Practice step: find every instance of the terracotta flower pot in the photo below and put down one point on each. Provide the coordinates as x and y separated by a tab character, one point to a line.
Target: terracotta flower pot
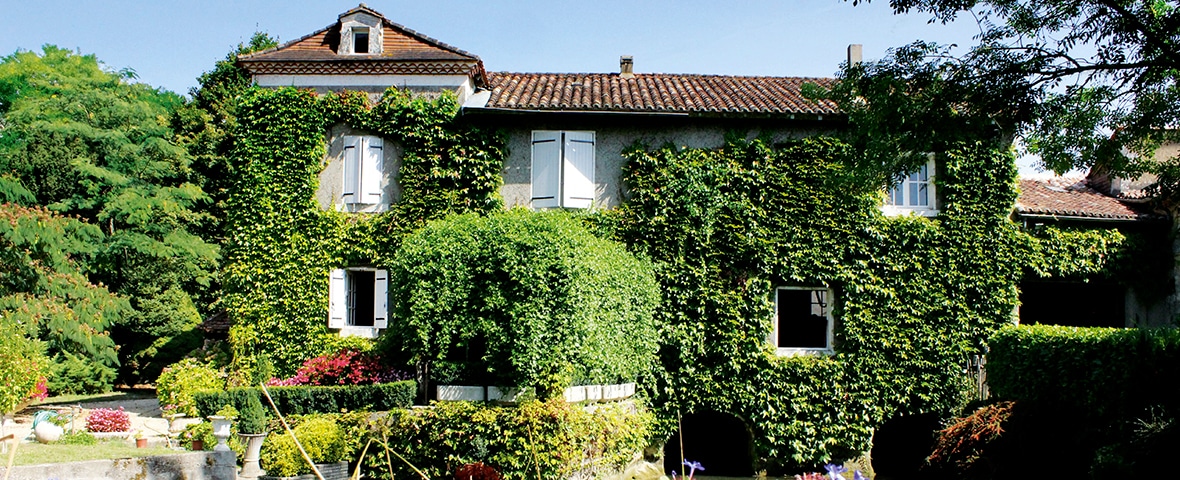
198	445
141	443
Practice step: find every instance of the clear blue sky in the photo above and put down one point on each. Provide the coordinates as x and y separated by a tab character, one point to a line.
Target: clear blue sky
169	43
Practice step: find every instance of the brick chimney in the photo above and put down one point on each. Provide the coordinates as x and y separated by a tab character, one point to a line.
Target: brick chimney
626	66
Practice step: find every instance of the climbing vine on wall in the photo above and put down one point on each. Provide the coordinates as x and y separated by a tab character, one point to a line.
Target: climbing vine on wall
282	244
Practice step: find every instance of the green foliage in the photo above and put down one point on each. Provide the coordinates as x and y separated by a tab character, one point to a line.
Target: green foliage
554	438
44	291
1061	75
180	383
253	416
22	365
321	438
308	399
527	299
1106	373
728	226
282	244
86	142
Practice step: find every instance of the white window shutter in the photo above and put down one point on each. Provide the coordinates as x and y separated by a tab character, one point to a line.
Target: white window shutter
337	300
546	168
372	161
578	170
352	170
381	299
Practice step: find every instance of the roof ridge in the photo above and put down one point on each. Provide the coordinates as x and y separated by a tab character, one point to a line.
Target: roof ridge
655	74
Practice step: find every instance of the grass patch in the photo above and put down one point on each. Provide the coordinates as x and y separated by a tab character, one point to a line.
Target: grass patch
115	396
36	453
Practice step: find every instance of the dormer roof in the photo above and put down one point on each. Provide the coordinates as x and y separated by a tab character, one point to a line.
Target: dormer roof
403	51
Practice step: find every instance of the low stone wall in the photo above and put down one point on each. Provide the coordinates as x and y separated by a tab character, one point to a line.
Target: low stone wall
188	466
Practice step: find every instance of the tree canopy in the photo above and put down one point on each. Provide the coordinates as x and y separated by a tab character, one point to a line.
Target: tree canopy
1081	82
82	140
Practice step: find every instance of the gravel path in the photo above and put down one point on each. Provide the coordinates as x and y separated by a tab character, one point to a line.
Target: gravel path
143	412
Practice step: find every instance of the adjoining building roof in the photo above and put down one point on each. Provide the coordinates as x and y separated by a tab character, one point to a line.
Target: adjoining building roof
655	93
404	51
1073	197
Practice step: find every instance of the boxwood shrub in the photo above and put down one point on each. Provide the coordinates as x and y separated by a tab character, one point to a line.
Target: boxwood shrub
314	399
1099	372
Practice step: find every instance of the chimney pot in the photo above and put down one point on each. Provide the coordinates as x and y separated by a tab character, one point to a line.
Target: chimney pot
626	66
854	54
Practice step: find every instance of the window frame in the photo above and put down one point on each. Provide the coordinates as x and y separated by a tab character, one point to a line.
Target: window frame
830	330
362	174
341	311
930	209
356	32
570	161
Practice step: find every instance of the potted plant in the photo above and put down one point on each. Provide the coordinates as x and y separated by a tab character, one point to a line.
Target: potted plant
140	440
222	421
252	430
48	426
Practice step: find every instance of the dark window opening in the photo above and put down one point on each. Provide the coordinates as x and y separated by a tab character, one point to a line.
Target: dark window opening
360	41
360	298
719	441
1073	304
802	318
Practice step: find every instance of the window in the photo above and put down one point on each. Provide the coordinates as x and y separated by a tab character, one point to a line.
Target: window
358	297
360	40
914	194
802	321
363	167
563	169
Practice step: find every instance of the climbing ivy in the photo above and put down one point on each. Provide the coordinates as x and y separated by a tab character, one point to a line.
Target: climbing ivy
915	297
282	244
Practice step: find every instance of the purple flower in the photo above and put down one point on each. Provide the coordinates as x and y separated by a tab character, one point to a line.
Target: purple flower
859	476
693	467
834	471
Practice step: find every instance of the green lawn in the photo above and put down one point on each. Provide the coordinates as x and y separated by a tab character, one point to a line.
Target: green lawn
36	453
118	395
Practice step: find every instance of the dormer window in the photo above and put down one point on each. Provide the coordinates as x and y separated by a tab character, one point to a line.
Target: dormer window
360	40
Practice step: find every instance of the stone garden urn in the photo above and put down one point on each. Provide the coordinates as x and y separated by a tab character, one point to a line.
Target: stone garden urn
250	466
221	430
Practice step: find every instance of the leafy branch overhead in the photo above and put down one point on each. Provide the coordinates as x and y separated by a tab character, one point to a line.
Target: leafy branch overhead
1065	76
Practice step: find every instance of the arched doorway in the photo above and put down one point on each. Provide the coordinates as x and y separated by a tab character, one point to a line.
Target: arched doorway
719	441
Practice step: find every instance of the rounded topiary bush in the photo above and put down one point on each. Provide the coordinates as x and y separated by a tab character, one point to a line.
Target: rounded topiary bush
321	438
521	299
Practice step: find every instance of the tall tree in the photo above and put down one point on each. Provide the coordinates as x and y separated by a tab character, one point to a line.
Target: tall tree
1082	82
90	143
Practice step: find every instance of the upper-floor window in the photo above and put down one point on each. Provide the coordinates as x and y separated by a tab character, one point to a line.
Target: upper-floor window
360	40
364	165
563	169
914	193
802	321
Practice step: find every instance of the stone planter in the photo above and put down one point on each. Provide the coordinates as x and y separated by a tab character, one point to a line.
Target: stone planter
250	467
221	430
47	432
330	471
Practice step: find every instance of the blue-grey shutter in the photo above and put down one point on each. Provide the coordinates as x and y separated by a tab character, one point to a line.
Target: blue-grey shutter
578	170
381	299
337	299
546	169
372	162
352	170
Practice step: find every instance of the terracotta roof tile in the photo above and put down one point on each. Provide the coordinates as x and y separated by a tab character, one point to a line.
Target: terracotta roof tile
655	92
1073	197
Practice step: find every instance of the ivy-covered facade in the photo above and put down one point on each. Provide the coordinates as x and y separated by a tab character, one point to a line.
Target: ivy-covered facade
791	302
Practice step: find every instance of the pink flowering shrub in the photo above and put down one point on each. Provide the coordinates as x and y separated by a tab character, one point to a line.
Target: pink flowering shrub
346	367
40	391
108	420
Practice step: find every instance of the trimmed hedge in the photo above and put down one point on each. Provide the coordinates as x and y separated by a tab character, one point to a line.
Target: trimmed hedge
302	400
1101	372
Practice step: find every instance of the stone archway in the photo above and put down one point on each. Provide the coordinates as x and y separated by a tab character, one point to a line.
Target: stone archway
721	442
